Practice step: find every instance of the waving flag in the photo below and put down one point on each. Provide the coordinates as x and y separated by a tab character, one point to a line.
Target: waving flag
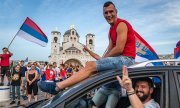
178	44
177	51
26	60
31	32
144	51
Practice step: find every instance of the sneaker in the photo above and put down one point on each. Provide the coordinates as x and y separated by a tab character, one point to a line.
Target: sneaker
18	103
49	87
12	102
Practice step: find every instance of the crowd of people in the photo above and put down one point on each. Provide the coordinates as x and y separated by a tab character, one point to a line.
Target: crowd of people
23	78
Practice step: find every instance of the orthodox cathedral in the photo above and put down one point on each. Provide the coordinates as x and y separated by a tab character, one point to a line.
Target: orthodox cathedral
71	50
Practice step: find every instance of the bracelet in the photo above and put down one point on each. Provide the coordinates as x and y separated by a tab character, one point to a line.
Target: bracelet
131	93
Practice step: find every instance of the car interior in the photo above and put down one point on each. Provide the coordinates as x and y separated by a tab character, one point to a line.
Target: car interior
86	102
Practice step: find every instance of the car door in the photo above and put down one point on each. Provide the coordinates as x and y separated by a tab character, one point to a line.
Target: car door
133	73
174	91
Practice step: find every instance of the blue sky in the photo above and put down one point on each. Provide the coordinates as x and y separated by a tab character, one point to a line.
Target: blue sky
157	21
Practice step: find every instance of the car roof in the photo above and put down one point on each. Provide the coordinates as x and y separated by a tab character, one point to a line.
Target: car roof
174	62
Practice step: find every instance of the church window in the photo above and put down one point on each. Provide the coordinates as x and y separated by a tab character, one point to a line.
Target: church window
72	32
74	39
72	45
55	39
91	42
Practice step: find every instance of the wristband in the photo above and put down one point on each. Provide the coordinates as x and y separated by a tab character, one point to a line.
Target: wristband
130	93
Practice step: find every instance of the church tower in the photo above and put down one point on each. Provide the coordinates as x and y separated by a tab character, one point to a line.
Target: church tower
90	41
55	44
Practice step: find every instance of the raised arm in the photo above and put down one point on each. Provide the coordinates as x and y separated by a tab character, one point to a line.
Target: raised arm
126	83
11	54
94	55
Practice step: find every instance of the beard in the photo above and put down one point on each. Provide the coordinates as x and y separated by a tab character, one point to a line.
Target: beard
144	97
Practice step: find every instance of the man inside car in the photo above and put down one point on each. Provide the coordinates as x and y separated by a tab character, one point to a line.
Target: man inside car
140	96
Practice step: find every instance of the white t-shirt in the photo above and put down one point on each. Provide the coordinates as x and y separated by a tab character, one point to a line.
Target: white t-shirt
150	104
57	71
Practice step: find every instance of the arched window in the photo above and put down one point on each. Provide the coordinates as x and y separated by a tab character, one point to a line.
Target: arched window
74	39
91	41
72	32
55	39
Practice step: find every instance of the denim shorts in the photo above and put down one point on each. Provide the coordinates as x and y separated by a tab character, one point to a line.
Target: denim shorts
113	63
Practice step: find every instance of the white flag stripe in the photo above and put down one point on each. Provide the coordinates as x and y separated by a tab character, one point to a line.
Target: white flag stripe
30	38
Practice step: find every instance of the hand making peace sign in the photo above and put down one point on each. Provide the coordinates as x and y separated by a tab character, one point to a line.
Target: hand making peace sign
125	82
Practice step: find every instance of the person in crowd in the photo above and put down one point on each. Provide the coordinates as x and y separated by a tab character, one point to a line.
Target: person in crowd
43	75
140	96
50	73
56	70
50	77
28	66
32	78
63	72
69	70
5	63
16	83
23	70
38	68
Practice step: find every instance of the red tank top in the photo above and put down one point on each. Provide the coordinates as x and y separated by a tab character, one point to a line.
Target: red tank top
130	46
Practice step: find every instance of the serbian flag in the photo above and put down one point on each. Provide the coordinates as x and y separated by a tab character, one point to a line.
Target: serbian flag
144	51
31	32
178	44
177	51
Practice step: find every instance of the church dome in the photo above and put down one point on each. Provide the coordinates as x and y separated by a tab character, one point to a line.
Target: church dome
68	32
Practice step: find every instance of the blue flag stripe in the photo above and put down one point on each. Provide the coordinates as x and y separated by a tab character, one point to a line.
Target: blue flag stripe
33	33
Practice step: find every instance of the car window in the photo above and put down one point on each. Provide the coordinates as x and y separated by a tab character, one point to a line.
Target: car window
85	100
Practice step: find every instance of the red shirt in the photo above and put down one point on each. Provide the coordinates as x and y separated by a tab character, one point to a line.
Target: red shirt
5	59
130	46
50	74
63	73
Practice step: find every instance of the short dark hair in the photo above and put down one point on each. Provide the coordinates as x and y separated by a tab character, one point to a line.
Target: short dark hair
4	48
108	3
63	65
145	79
46	63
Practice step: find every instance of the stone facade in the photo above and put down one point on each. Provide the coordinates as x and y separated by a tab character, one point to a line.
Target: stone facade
71	50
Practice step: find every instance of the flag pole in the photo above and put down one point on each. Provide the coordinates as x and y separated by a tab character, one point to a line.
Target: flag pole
12	40
15	35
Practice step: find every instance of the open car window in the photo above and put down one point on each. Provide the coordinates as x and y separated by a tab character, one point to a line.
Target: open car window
85	100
